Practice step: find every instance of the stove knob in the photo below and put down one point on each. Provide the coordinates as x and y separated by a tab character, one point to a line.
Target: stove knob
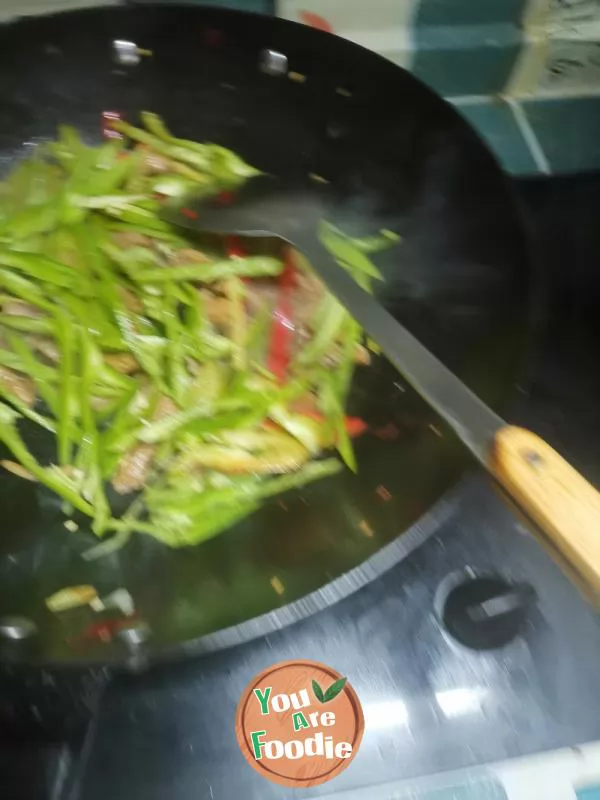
484	613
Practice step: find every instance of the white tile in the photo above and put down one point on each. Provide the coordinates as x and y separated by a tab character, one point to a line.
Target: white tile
560	52
23	8
548	776
346	15
383	26
560	15
551	776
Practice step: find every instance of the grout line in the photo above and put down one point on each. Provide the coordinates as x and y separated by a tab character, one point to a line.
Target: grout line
530	137
549	96
546	96
468	99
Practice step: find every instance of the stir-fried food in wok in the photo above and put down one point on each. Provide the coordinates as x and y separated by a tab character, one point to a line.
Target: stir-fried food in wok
200	379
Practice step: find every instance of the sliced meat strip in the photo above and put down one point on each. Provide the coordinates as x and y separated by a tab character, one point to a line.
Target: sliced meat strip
44	346
164	408
19	385
187	255
217	309
134	468
127	239
20	308
131	302
124	363
309	293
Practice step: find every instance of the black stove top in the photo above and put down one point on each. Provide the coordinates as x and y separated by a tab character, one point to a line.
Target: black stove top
430	702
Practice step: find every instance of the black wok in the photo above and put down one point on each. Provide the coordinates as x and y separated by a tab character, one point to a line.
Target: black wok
404	160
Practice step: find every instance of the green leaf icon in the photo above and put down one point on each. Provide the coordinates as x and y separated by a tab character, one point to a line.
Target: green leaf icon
318	692
334	690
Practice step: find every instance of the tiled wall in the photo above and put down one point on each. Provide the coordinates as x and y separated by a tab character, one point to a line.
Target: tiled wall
526	73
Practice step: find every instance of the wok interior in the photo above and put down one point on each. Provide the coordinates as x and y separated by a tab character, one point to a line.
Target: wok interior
401	159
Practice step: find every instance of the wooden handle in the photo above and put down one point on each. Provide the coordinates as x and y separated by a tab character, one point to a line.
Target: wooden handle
554	495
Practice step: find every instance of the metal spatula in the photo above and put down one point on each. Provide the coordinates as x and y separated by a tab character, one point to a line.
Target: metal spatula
547	489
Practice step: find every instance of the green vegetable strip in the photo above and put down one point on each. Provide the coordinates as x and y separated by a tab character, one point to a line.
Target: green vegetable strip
220	510
346	252
128	260
313	471
229	420
235	291
25	324
94	487
11	360
26	412
223	163
196	158
327	333
123	432
335	411
256	267
375	244
342	377
166	234
149	351
37	371
48	477
33	220
24	289
307	431
175	533
65	337
82	240
40	268
112	545
89	239
168	426
135	216
178	376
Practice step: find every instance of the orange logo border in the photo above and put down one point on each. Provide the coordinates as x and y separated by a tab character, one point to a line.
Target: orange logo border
243	734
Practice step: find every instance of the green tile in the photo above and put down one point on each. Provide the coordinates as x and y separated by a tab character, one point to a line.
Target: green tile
496	124
589	793
568	131
473	788
478	790
467	59
460	12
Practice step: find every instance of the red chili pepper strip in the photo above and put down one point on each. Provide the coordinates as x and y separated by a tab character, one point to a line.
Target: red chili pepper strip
387	432
108	132
225	198
355	426
282	329
383	493
234	248
315	21
189	213
104	630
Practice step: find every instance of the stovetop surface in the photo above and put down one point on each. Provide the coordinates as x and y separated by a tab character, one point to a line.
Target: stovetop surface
430	703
